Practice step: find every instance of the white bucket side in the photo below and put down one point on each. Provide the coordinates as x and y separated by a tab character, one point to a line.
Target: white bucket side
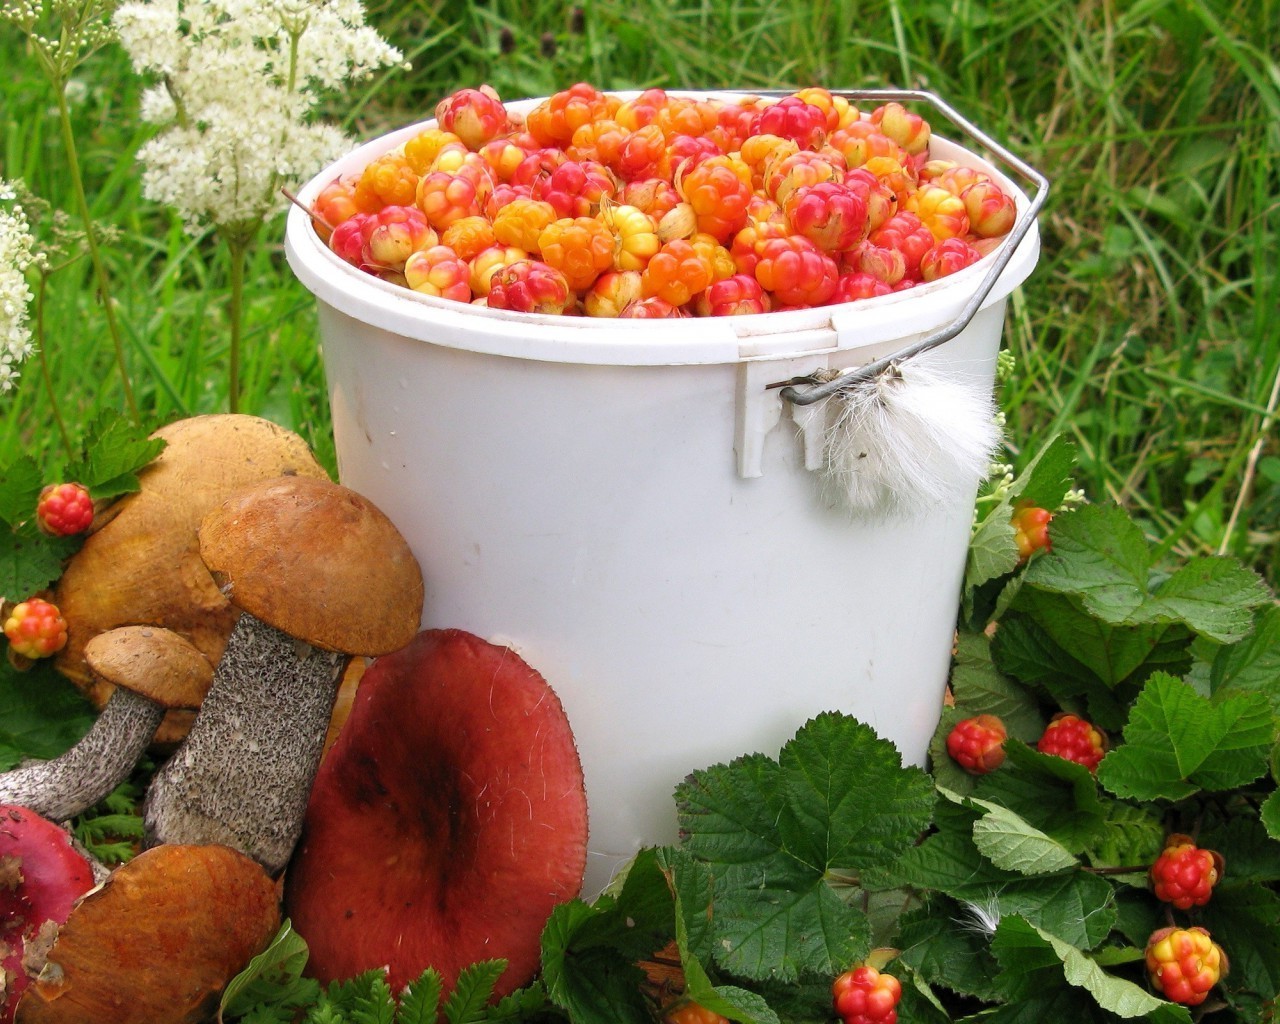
580	500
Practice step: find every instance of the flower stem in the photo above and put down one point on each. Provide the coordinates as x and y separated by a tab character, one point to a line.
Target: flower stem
44	367
91	241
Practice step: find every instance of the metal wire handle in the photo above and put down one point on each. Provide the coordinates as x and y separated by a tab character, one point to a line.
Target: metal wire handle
818	391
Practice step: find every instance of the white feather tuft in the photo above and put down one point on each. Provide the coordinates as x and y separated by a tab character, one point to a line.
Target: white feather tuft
910	440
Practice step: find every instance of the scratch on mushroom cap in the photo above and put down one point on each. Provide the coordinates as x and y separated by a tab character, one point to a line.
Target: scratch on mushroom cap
152	661
141	565
317	561
158	941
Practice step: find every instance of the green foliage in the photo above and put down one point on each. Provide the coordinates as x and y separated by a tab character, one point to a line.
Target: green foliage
41	713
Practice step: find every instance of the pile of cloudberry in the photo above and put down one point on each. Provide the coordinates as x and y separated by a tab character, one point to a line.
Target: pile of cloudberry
663	205
1182	963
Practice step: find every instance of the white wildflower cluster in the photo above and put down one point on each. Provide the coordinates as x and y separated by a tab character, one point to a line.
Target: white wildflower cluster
17	254
239	81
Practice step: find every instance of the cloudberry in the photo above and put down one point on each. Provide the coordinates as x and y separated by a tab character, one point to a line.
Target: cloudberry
864	995
476	116
1184	964
677	272
1184	874
530	286
36	629
439	271
581	248
691	1013
977	744
1031	529
796	271
1071	737
64	510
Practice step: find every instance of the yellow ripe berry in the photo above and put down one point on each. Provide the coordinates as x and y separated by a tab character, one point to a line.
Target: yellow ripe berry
613	291
940	211
636	236
492	259
421	150
387	181
718	258
521	221
581	248
468	237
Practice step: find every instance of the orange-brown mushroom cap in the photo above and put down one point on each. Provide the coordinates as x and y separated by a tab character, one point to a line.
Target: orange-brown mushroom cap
317	561
152	661
157	942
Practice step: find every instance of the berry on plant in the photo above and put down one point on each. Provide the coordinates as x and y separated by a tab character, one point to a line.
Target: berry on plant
977	744
688	1012
1071	737
64	510
1031	529
1184	963
36	629
1184	874
864	995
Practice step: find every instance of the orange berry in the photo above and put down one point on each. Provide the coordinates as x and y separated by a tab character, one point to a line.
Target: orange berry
677	272
468	237
581	248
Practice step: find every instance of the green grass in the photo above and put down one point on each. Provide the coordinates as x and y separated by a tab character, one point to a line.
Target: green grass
1148	333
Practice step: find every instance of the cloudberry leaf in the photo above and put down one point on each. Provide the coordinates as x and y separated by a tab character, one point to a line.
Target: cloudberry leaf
20	485
771	831
1177	742
948	948
1253	663
31	561
1100	557
41	713
1245	920
1046	479
272	979
1253	853
993	552
977	685
114	450
1215	597
1013	844
1057	796
1033	958
1271	814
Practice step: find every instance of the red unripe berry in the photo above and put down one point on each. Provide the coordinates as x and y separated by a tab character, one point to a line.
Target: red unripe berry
1184	964
792	118
476	116
36	629
732	296
652	308
977	744
530	286
1184	874
64	510
796	271
864	995
1031	529
830	214
946	258
854	284
691	1013
1071	737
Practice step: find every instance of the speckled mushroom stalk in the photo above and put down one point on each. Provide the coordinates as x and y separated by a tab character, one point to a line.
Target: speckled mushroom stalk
319	575
152	671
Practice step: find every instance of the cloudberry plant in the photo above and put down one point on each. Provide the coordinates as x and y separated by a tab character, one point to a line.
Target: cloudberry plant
63	510
731	296
556	118
1184	874
864	995
830	214
1184	964
36	629
688	1012
421	150
718	189
1031	529
977	744
1071	737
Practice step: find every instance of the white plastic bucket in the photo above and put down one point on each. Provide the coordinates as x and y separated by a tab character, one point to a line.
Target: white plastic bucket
627	505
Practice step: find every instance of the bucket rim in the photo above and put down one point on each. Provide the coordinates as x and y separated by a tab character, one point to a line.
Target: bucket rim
842	327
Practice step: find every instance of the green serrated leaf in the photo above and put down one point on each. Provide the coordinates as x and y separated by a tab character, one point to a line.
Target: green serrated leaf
1011	843
468	1002
30	561
980	688
1212	596
272	980
20	485
993	549
1023	650
1271	814
1131	835
948	949
1252	664
1100	557
584	975
1245	920
1178	742
1047	477
41	713
114	450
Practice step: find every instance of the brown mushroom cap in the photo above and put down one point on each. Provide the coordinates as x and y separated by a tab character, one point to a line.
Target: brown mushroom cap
317	561
152	661
142	564
158	941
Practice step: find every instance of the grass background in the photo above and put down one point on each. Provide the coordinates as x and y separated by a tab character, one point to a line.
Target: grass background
1149	333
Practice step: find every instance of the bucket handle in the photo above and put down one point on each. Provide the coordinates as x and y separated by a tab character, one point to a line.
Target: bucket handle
850	378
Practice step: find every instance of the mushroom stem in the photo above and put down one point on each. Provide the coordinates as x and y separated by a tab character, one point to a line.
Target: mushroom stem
73	782
243	774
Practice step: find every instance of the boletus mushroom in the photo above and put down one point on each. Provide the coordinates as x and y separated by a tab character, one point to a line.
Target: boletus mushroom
150	671
318	574
157	942
141	564
447	821
42	874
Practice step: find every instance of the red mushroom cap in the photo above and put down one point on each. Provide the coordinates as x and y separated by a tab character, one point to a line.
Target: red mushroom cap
446	823
41	876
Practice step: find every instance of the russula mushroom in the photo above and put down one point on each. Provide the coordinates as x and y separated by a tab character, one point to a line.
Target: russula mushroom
42	874
157	942
319	574
150	670
447	821
141	565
